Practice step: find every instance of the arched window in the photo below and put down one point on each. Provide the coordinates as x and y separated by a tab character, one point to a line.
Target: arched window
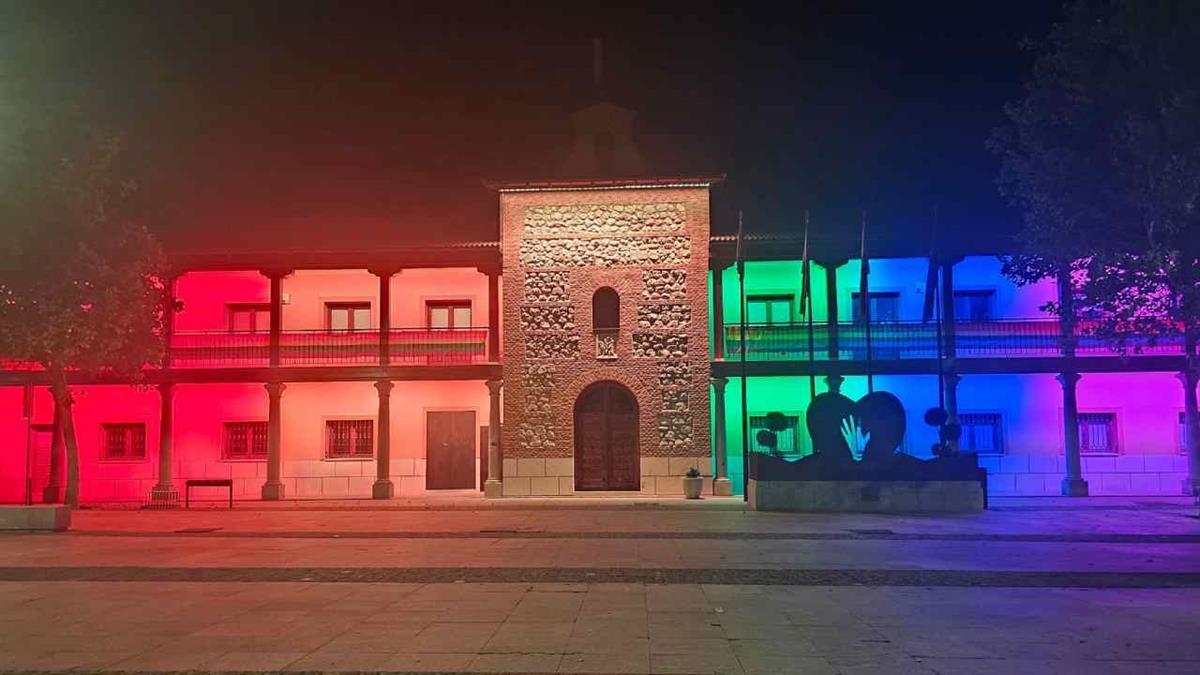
606	310
606	320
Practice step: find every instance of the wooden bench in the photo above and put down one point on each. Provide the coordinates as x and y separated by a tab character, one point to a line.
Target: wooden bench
206	482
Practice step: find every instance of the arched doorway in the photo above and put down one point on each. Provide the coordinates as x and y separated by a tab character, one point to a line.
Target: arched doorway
606	438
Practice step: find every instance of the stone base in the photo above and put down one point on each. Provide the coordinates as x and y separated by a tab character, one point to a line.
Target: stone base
722	487
866	496
492	489
46	518
163	497
1191	487
1074	487
272	492
383	489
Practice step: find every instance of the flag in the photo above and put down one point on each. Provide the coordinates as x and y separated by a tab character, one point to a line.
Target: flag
805	273
931	282
864	297
931	275
737	256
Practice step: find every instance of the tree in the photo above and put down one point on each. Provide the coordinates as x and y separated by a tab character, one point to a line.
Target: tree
1102	155
81	280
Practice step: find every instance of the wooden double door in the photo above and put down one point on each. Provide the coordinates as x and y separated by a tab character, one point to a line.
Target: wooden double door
450	449
606	438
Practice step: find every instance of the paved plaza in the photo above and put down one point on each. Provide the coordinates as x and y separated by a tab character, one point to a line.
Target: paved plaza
595	586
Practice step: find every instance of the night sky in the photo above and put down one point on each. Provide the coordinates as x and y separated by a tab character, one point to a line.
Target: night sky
298	124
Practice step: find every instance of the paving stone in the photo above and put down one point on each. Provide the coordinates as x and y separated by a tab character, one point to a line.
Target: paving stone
529	637
452	638
628	661
709	662
255	661
428	662
515	663
1064	587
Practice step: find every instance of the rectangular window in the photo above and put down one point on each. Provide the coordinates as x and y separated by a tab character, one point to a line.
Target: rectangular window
769	309
787	442
1183	441
981	433
350	316
885	306
973	305
448	313
245	440
1098	433
125	442
349	439
249	318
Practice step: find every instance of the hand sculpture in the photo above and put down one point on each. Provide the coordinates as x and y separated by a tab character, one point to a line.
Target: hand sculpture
856	439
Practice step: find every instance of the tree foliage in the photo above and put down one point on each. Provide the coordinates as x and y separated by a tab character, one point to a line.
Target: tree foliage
81	280
1102	155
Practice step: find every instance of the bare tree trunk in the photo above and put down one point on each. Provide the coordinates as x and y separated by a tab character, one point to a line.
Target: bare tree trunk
63	399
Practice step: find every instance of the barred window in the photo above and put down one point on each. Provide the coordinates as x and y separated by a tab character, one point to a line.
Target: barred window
124	442
245	440
981	433
1098	433
349	439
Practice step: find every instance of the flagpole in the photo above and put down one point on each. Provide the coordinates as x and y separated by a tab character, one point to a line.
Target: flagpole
806	306
741	268
937	310
864	292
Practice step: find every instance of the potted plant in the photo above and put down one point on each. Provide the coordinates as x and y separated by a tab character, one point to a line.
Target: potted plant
693	483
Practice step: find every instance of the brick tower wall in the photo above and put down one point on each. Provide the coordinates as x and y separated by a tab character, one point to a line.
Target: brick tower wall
559	247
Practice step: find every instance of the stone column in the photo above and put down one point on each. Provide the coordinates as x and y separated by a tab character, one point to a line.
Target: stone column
1073	485
493	340
383	488
952	380
163	493
718	315
722	487
950	345
1191	420
276	277
831	306
272	490
385	314
493	486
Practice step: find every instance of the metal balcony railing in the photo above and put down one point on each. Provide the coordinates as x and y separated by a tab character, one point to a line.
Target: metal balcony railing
919	340
407	346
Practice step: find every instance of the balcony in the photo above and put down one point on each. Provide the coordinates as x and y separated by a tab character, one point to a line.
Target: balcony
407	347
918	340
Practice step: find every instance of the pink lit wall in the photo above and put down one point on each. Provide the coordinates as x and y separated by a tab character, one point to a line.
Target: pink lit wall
94	406
206	295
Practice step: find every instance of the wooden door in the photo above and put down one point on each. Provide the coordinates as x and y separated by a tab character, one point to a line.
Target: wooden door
450	450
606	439
41	440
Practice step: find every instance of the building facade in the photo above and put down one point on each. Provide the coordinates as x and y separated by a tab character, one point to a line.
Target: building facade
596	347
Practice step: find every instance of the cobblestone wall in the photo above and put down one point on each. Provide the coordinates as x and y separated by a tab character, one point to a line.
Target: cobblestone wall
650	246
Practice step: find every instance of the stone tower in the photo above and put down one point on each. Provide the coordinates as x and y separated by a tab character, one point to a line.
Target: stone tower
605	343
